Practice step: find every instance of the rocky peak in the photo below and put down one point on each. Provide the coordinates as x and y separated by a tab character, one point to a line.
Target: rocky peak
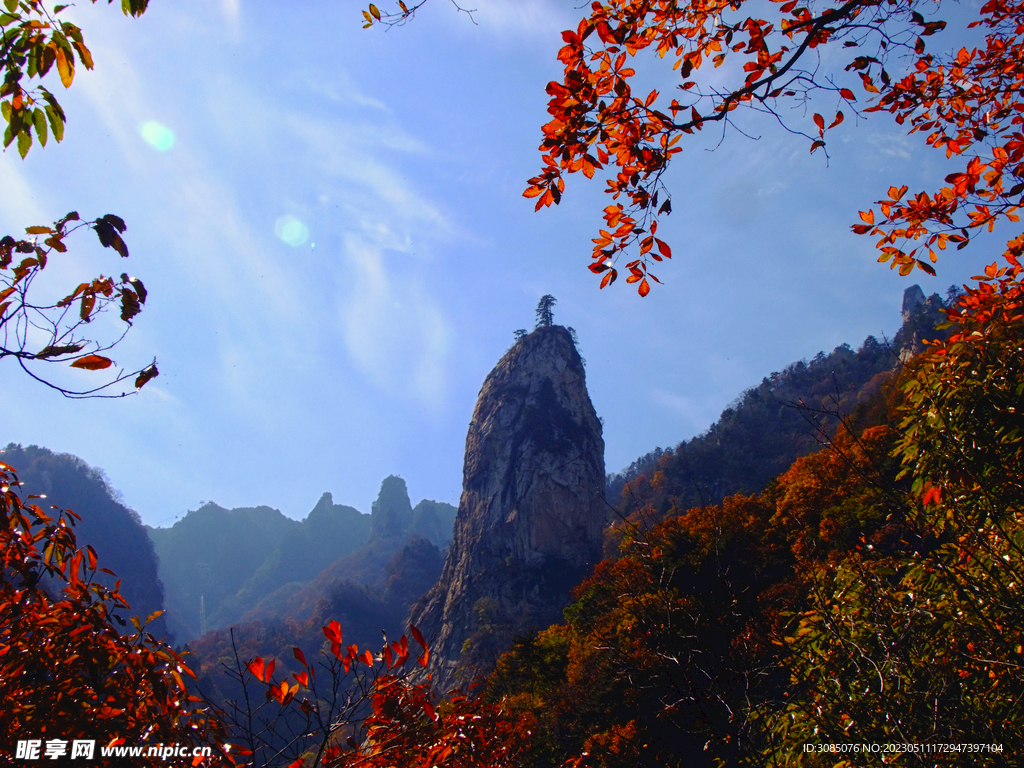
531	513
913	297
391	513
920	316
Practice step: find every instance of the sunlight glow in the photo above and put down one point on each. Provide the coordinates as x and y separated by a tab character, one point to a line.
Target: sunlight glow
291	231
159	136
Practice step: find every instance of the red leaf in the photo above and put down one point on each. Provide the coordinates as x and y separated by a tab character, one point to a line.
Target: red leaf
418	637
92	362
300	656
333	632
256	668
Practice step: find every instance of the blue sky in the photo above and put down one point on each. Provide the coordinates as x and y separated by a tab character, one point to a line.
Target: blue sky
330	225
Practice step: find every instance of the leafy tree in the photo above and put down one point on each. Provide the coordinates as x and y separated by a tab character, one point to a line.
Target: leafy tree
922	643
34	42
65	671
545	316
965	101
355	708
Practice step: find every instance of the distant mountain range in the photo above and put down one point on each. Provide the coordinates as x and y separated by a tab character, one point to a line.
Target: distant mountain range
242	564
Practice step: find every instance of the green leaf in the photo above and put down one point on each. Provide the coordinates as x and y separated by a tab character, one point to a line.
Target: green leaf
11	5
24	143
39	121
56	122
134	7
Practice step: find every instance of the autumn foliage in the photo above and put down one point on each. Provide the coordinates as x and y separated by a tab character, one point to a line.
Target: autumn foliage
356	708
66	672
42	330
966	103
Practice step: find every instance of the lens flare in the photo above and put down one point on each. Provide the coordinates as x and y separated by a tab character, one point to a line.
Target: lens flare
291	231
158	135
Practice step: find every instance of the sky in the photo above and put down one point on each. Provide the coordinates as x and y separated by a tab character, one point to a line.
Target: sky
330	224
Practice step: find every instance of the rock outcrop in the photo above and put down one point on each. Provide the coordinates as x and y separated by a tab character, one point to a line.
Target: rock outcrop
531	513
391	513
920	316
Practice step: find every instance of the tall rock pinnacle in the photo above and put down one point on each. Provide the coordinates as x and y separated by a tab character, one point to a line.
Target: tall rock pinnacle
531	512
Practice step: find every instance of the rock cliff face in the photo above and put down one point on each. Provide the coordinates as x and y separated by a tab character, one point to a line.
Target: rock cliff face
531	513
920	316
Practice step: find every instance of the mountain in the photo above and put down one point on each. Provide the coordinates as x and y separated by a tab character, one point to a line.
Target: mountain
112	529
245	564
768	426
209	555
396	530
531	513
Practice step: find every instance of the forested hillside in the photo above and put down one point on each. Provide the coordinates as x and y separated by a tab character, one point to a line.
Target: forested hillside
789	414
112	529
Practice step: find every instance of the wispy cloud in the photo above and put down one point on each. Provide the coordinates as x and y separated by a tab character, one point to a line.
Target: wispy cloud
232	15
516	18
396	335
695	415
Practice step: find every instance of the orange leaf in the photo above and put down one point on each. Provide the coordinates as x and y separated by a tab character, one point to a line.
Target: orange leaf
868	217
92	362
65	67
644	288
820	122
